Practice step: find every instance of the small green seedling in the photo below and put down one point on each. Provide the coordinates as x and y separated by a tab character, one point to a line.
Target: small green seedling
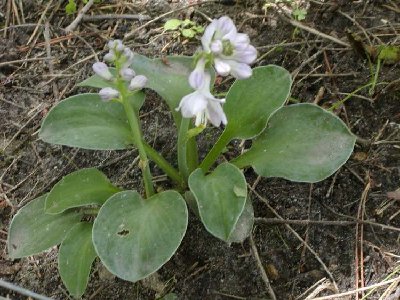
187	28
71	7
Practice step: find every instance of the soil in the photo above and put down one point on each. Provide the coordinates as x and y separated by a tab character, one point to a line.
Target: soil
204	267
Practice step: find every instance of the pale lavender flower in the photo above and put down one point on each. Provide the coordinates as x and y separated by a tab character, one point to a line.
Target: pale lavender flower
102	70
196	78
107	94
231	50
110	57
127	74
203	105
116	45
128	56
138	82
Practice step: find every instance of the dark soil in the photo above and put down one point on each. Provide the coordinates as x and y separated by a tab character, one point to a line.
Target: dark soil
204	267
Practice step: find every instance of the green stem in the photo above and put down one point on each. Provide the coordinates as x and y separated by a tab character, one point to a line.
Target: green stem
215	151
375	78
182	148
242	161
138	140
164	165
339	103
192	154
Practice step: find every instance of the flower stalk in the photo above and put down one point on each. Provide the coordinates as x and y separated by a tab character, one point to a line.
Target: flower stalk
138	141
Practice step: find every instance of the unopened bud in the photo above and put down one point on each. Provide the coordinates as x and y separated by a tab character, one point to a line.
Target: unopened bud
127	74
116	45
109	57
138	82
106	94
101	69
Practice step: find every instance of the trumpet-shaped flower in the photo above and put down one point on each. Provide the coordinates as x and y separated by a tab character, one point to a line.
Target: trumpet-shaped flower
203	105
231	50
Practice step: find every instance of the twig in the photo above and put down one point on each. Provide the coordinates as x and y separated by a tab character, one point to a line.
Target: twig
6	63
46	35
359	243
7	18
314	31
350	74
348	293
115	17
265	201
305	63
22	291
261	268
71	27
39	23
39	109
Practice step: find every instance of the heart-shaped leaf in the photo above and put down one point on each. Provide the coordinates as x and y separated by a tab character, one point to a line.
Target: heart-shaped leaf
220	197
244	224
302	142
134	237
172	24
33	231
87	122
250	102
168	77
80	188
75	258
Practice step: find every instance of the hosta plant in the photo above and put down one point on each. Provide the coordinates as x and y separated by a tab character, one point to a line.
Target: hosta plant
134	232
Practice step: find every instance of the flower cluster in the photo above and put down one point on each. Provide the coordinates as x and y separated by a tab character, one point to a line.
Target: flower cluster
122	58
231	54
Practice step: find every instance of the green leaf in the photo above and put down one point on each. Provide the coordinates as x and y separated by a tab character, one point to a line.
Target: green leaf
199	29
33	231
299	14
188	22
221	197
244	225
80	188
250	102
134	237
168	77
96	81
302	142
189	33
87	122
70	8
75	258
172	24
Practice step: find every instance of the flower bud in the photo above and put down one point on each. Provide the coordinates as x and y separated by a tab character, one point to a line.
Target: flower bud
109	57
127	74
196	78
138	82
101	69
106	94
127	57
116	45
